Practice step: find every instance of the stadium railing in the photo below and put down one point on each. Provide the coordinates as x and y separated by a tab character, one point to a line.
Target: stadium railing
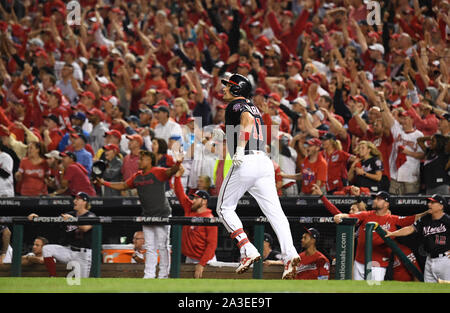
372	227
345	236
308	207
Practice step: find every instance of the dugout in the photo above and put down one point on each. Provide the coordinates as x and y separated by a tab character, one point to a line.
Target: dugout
309	206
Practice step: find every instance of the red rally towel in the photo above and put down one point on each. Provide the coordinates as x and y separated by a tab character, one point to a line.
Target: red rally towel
401	157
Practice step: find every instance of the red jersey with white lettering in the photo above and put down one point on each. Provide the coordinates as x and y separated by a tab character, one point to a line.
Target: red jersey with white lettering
336	169
381	252
33	183
313	266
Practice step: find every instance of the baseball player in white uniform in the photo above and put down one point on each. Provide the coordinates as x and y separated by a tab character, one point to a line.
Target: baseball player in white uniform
252	171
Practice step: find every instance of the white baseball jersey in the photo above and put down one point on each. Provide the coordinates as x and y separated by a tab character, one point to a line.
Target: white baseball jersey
410	170
257	176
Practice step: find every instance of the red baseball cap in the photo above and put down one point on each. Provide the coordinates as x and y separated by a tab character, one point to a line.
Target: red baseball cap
359	98
88	94
163	103
95	111
260	91
114	133
314	142
275	96
112	147
407	114
297	64
166	92
245	65
110	86
136	137
70	51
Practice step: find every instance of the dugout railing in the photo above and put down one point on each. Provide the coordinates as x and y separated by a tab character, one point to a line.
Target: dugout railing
113	209
344	237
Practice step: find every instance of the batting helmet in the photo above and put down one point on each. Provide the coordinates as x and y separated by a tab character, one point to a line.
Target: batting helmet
239	86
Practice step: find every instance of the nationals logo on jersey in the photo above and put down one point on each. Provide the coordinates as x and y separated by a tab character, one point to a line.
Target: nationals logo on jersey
428	230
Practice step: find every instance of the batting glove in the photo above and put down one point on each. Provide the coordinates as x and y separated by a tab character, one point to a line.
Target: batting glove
238	157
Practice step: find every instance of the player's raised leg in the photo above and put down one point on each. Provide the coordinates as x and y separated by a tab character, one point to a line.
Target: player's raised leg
233	188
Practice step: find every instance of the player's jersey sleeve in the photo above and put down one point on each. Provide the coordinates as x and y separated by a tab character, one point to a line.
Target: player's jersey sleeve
323	268
360	215
418	225
130	181
185	202
330	206
211	245
160	173
403	221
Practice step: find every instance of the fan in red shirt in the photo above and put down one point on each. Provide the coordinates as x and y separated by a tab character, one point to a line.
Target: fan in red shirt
75	178
32	172
52	132
199	243
381	252
313	264
313	169
337	161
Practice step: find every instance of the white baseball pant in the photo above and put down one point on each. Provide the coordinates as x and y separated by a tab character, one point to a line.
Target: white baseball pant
8	255
256	175
157	238
437	268
194	261
378	272
65	255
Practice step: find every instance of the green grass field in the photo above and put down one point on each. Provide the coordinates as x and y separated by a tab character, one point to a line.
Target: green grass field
132	285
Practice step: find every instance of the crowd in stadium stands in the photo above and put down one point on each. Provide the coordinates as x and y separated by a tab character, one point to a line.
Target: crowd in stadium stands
346	102
351	105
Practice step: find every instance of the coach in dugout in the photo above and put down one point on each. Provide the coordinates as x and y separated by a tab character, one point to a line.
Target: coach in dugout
198	243
434	232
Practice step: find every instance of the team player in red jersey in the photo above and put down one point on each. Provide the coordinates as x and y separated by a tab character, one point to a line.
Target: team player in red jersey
313	264
381	252
400	272
198	243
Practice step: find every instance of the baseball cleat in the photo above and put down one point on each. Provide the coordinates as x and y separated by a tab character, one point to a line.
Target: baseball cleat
289	268
247	262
